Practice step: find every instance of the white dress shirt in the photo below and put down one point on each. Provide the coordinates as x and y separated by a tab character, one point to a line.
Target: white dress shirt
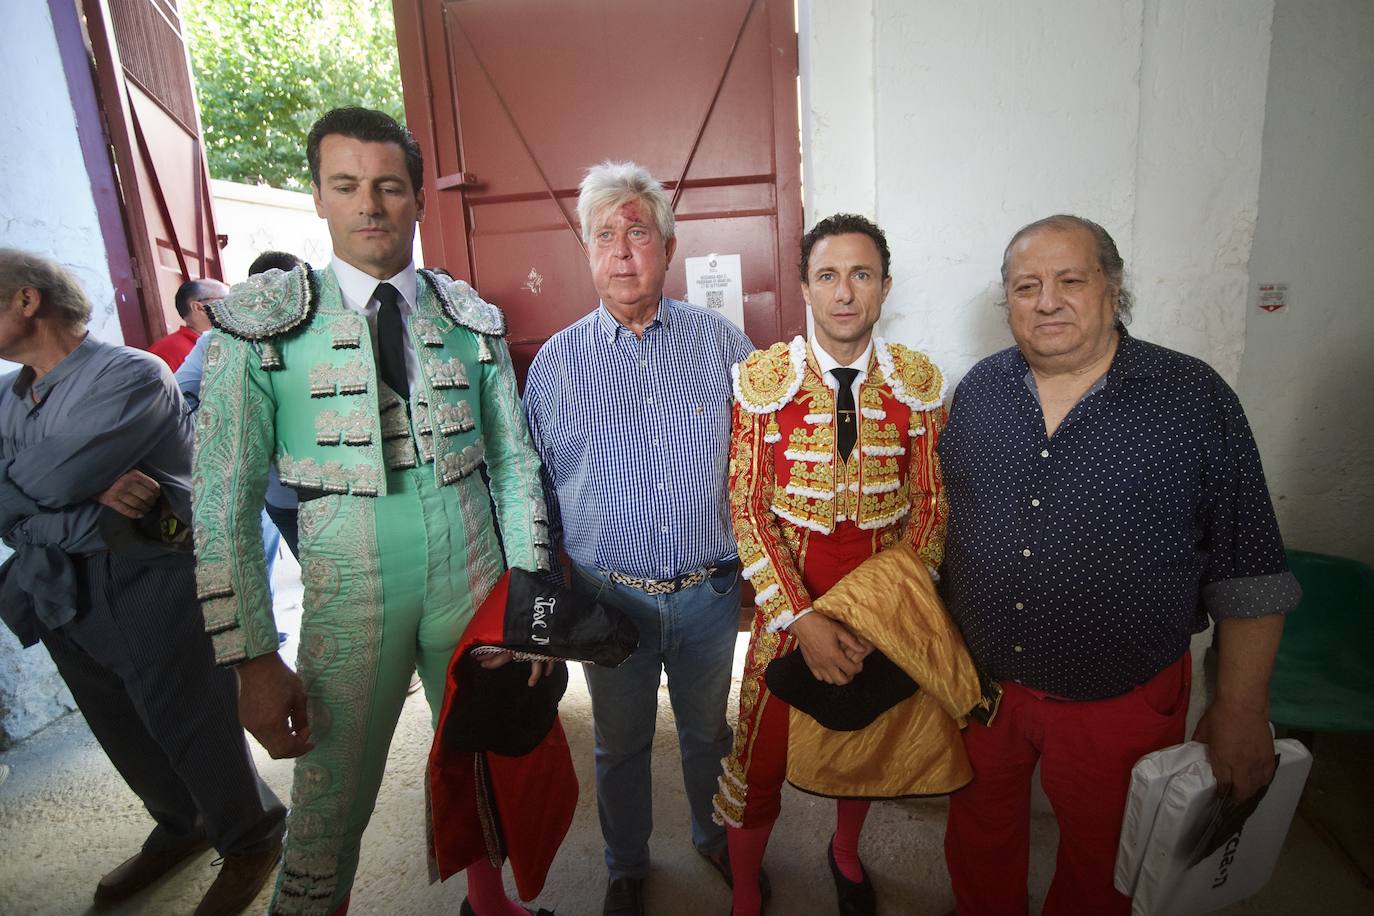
828	362
357	289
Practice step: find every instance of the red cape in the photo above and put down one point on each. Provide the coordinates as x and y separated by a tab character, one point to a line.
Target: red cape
487	805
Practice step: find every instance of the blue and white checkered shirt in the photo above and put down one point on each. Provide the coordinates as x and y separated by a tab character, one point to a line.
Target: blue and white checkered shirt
634	433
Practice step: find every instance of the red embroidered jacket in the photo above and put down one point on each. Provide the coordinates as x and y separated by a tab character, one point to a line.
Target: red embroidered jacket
803	519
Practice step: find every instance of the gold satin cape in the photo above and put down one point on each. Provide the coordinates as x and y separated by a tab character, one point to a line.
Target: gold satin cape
914	748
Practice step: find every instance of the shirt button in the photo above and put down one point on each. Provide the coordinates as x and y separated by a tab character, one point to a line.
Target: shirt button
648	402
1017	648
1035	502
1026	552
665	529
1020	606
660	485
644	363
1044	453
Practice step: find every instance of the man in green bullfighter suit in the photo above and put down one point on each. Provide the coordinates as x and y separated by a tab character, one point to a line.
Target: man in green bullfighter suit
379	392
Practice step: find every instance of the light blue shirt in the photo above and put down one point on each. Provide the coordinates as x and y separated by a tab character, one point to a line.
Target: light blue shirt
634	434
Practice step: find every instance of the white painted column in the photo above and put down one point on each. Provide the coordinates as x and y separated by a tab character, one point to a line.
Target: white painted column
989	116
1307	375
835	59
1204	70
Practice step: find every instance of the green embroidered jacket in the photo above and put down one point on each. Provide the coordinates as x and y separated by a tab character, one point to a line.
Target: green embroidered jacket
293	380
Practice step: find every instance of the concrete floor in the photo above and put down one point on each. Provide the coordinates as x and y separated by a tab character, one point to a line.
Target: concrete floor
66	817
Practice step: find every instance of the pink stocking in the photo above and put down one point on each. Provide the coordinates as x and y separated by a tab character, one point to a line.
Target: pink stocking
746	859
487	892
849	822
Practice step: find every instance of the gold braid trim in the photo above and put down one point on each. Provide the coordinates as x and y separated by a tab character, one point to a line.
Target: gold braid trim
916	381
766	380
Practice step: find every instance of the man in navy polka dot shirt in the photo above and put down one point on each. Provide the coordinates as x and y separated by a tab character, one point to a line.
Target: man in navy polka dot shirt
1106	498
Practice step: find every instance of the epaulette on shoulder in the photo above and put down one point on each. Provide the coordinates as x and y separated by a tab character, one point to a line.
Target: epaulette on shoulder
916	381
766	380
461	303
266	305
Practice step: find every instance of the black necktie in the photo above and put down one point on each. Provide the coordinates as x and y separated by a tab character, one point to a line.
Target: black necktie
847	426
391	348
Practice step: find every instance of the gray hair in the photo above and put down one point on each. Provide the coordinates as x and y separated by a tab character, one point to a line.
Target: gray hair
60	291
610	184
1108	258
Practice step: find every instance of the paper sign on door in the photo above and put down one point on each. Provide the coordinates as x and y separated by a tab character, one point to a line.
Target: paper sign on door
716	282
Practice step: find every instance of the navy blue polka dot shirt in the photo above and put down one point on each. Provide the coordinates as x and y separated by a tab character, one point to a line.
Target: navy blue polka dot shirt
1081	564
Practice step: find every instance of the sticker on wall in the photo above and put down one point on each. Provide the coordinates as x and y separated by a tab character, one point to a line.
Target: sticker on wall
1273	297
533	281
716	282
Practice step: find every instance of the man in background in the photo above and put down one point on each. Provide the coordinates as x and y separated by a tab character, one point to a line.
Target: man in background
190	302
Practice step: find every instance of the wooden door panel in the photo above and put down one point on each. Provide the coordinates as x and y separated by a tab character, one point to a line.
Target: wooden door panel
177	233
144	84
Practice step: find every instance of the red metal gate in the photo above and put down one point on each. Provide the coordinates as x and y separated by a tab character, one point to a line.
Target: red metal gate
513	99
144	83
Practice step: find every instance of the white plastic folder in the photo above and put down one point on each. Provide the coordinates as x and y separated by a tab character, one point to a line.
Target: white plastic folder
1171	798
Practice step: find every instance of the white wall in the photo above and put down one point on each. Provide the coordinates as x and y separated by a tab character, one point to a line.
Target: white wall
45	197
1308	374
45	206
835	55
1144	115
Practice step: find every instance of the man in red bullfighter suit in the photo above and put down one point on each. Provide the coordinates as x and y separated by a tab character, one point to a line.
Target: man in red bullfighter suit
833	461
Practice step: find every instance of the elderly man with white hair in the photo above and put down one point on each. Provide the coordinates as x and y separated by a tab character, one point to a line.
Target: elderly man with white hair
630	411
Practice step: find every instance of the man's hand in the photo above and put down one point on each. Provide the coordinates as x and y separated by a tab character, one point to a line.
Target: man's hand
537	669
133	494
1239	747
272	706
1235	727
832	652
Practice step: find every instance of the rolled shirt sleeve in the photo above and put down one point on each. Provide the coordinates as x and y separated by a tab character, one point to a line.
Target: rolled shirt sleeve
1247	572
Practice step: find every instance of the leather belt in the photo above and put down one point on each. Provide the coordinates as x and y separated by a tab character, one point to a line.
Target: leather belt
669	586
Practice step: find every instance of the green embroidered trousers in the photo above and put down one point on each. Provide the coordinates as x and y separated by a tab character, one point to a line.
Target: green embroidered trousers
390	584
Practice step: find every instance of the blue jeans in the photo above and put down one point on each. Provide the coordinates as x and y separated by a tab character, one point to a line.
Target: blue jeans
691	635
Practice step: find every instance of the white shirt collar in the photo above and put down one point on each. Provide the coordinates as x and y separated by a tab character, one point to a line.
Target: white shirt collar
357	287
828	362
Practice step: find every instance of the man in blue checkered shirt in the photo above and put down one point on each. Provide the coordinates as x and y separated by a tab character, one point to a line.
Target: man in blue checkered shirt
630	411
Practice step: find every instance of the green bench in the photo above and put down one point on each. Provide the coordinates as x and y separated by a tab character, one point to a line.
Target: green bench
1323	678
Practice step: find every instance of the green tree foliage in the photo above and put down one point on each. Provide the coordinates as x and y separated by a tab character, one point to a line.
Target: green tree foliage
266	69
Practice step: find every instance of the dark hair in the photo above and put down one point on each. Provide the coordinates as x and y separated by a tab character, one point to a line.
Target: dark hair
273	260
1108	258
191	291
371	127
843	224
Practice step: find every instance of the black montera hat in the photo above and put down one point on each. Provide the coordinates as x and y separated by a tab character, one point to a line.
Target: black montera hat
840	707
550	621
494	709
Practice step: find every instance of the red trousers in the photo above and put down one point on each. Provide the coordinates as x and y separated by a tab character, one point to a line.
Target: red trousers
1085	751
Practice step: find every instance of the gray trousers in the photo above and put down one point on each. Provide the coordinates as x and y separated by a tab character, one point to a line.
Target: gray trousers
140	666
